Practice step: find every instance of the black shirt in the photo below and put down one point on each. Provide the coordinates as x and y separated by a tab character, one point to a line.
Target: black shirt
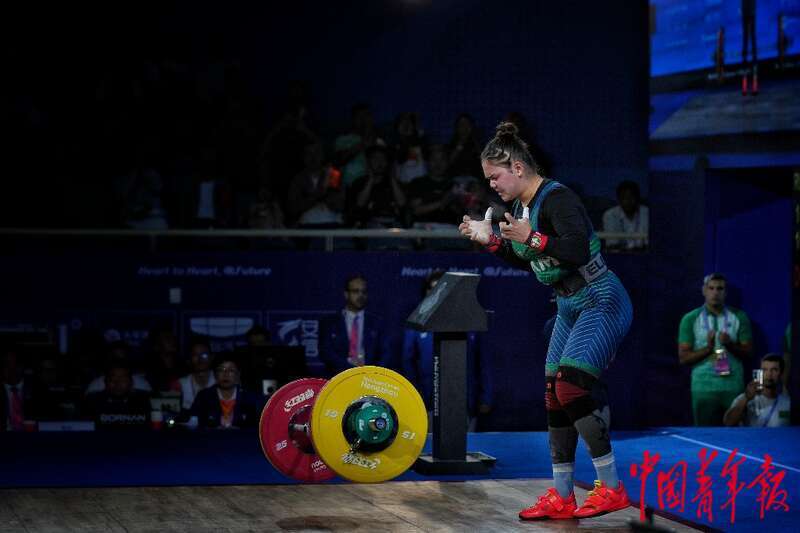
563	219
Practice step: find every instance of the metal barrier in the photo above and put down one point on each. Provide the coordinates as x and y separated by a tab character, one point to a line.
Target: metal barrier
328	234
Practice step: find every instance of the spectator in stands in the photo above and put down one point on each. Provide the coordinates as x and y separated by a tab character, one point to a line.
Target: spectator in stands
316	195
226	405
476	197
164	369
211	199
760	405
142	206
528	134
265	212
408	147
351	147
257	361
282	151
377	199
53	399
118	354
417	359
433	198
200	376
355	337
630	216
258	336
119	405
464	149
16	397
714	339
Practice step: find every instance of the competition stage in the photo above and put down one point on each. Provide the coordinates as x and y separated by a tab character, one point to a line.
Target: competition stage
220	481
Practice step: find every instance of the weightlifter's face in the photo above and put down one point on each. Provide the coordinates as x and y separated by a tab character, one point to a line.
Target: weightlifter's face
502	180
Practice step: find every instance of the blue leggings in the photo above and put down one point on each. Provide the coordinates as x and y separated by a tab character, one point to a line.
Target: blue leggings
590	326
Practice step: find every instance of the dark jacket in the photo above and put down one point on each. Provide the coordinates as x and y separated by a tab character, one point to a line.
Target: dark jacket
207	409
336	343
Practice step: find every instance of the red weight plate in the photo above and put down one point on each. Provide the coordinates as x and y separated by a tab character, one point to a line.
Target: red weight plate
284	431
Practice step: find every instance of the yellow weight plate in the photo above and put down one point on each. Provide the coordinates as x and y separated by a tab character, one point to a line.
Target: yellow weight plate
328	435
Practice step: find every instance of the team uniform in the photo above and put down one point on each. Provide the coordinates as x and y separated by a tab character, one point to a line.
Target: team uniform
594	314
713	393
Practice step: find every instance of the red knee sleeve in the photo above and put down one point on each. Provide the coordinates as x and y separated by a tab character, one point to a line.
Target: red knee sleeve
568	392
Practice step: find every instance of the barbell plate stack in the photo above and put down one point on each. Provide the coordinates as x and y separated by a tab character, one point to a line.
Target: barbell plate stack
284	431
328	424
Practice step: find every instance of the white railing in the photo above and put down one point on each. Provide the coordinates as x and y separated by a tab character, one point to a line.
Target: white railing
328	234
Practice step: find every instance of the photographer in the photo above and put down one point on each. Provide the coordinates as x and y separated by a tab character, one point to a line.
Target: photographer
760	405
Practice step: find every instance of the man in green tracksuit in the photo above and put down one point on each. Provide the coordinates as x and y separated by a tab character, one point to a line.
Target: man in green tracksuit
714	339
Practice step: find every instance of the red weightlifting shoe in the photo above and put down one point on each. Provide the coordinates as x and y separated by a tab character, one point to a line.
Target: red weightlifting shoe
602	500
551	506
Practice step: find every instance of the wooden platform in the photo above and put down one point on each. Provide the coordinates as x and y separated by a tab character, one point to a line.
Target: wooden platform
471	506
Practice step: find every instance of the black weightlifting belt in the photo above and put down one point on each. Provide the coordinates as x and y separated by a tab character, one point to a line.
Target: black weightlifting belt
578	279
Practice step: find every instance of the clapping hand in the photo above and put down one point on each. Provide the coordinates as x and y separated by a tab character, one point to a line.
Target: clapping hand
477	230
516	230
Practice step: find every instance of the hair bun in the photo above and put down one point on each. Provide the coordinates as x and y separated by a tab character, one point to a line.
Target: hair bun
506	129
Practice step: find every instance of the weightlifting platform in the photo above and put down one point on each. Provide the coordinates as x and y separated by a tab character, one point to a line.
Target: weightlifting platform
409	506
215	480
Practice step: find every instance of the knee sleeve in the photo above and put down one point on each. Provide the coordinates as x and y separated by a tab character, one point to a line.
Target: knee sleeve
573	392
563	442
593	429
556	416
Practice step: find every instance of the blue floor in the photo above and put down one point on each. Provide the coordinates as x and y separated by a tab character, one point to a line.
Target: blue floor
223	458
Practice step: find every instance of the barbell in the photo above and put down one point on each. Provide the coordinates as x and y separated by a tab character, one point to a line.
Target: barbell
367	424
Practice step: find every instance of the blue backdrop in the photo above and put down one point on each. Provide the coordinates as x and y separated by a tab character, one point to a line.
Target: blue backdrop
124	294
290	291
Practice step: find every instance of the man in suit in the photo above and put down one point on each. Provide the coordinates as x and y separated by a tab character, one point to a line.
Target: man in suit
226	404
355	337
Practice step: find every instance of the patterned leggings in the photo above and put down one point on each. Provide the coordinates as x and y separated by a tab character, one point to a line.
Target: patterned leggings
590	326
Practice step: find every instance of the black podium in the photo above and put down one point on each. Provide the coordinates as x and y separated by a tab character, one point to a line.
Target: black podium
449	312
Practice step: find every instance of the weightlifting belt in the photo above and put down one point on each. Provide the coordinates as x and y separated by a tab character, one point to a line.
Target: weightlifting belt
578	279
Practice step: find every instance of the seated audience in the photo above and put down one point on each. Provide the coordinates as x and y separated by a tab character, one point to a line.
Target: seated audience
630	216
350	148
408	148
316	194
761	405
464	149
265	211
226	405
200	376
17	395
258	336
54	398
434	199
118	405
118	354
376	199
164	368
